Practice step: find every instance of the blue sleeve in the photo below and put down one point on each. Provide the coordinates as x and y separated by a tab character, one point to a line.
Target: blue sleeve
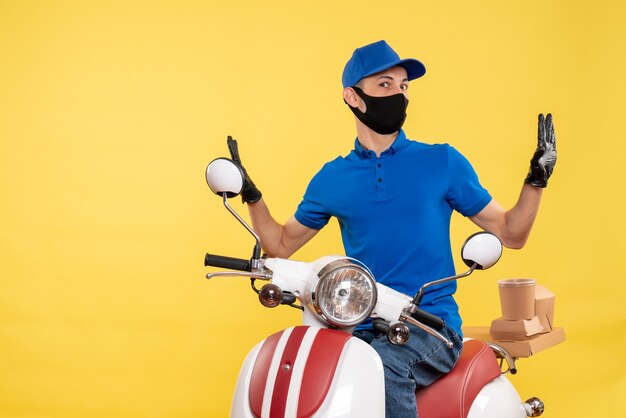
311	212
465	193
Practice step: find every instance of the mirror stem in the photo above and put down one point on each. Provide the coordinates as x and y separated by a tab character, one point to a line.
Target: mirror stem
256	253
418	297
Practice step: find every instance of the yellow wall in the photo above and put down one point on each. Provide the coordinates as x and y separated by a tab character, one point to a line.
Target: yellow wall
110	111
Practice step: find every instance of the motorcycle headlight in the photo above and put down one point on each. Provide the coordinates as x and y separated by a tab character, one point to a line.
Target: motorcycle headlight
345	294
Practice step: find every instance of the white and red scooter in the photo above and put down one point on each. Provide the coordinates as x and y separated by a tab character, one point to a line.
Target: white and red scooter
318	369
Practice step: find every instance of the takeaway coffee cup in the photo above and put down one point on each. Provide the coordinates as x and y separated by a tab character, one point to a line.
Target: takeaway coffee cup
517	298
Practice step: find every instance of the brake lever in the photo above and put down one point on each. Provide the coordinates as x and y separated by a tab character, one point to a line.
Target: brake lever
233	273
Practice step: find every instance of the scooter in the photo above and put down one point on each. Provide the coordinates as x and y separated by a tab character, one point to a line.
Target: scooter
318	369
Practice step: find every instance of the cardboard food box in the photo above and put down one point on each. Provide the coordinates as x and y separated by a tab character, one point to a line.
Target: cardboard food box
544	307
518	349
517	330
501	329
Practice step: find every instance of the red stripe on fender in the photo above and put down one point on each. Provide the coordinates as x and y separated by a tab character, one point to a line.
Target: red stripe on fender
320	369
260	372
283	375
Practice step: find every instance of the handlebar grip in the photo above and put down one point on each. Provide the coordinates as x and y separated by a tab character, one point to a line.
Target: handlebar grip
380	325
227	262
429	319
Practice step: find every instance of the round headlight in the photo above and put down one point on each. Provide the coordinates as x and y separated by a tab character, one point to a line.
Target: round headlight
345	294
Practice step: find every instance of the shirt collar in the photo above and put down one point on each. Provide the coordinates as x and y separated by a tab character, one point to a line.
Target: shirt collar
397	145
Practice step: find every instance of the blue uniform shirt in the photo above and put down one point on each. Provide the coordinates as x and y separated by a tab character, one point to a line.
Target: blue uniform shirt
394	213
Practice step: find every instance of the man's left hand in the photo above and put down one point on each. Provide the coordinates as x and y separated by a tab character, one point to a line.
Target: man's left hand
544	159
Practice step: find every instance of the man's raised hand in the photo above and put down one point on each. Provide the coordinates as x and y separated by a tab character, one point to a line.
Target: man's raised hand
544	159
249	192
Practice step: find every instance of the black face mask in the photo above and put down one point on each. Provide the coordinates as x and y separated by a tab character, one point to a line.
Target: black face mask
383	115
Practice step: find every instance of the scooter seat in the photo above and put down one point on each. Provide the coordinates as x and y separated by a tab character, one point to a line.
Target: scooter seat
453	394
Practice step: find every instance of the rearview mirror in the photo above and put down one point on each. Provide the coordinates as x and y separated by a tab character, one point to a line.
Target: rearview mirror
224	176
479	252
482	249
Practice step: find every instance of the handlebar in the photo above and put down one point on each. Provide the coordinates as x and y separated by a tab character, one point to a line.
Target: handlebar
428	319
227	262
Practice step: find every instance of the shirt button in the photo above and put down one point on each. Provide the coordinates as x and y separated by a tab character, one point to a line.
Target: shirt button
379	165
380	180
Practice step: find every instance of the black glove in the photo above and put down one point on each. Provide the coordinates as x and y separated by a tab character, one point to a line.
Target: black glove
544	159
249	192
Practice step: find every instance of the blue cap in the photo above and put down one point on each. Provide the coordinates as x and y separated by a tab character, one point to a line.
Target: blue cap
374	58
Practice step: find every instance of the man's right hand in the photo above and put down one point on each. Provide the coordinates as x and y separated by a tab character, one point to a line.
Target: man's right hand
249	192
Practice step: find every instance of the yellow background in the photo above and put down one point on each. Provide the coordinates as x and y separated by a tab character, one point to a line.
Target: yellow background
110	111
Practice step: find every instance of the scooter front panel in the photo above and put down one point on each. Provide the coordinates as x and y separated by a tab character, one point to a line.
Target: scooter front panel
358	387
310	372
320	369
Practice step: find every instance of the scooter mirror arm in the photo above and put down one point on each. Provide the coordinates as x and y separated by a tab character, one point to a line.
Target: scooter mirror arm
256	253
420	294
426	328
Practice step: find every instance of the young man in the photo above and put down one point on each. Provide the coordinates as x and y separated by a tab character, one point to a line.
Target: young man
394	198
